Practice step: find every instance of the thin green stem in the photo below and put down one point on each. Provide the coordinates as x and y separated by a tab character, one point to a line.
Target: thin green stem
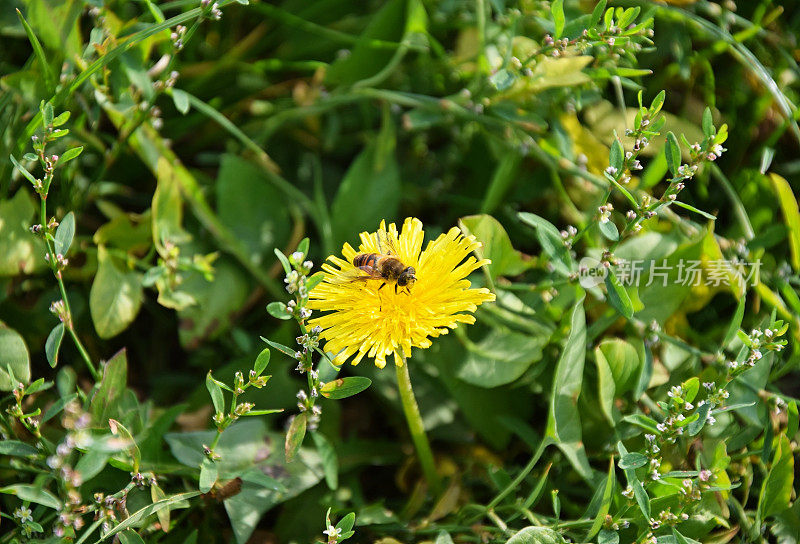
68	321
418	436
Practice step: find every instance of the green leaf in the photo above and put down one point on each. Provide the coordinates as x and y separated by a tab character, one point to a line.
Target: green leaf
657	103
181	100
605	504
92	463
216	393
346	523
607	536
20	253
617	295
735	323
693	209
208	474
49	77
278	310
673	153
16	448
118	429
286	350
776	491
295	435
32	493
53	344
557	9
647	423
64	234
708	124
551	242
167	207
502	79
696	426
632	460
70	154
506	261
371	186
262	361
500	357
14	357
791	216
129	536
112	386
564	420
639	492
342	388
597	14
330	461
253	207
616	155
115	297
156	507
609	230
536	535
792	420
47	113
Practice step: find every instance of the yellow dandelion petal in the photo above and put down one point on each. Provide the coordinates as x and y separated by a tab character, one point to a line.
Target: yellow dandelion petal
363	321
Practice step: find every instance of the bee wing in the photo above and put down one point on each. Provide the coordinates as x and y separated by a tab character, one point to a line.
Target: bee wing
386	244
363	273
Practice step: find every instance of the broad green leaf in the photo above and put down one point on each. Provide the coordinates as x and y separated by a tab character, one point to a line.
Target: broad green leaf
92	462
167	207
330	461
70	154
616	155
617	295
181	100
32	493
262	361
502	79
609	230
791	216
639	493
216	394
254	209
536	535
551	242
506	261
115	297
53	344
563	423
14	356
20	252
500	357
64	234
605	504
294	437
607	536
278	310
129	536
776	491
632	460
118	429
342	388
696	426
557	10
112	386
673	153
208	475
16	448
216	302
371	186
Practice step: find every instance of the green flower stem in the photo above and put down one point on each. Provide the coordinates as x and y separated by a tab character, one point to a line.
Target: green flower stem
411	411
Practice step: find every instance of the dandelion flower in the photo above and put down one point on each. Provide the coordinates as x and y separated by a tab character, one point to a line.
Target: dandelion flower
363	321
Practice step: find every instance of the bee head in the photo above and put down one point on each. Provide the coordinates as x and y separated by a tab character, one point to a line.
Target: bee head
407	277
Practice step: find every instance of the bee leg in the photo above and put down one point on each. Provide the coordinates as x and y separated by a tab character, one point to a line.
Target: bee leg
382	285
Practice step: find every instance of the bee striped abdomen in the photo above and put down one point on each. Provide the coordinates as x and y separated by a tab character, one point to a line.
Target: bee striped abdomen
365	260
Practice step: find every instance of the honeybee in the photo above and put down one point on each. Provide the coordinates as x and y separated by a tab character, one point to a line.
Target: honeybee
385	266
